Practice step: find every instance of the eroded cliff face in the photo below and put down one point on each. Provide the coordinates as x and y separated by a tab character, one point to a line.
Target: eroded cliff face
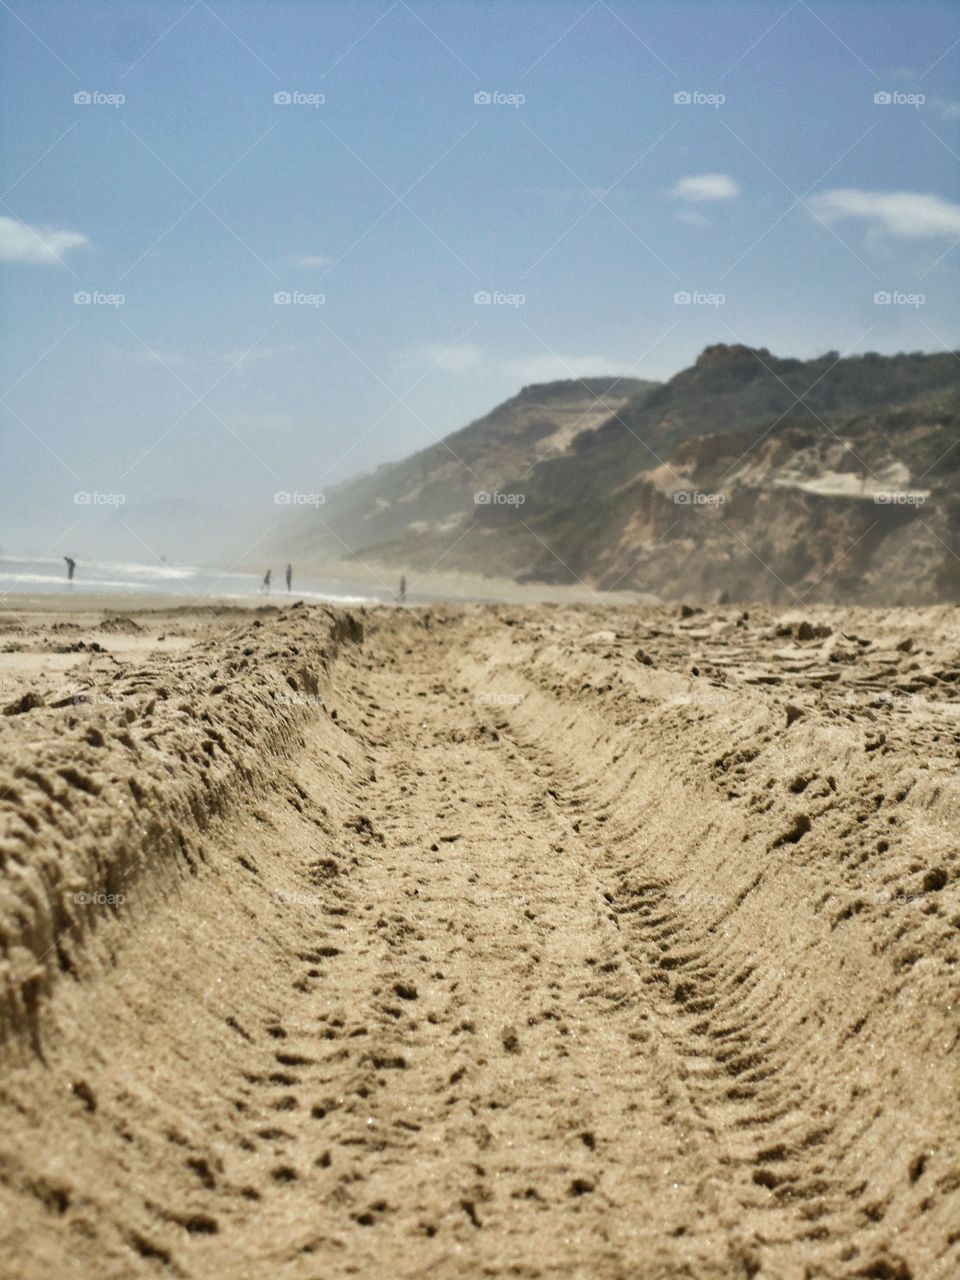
744	477
805	514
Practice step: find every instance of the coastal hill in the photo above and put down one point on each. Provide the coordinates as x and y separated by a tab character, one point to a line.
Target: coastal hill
746	476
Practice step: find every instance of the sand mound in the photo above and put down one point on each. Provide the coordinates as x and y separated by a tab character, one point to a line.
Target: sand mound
119	775
120	624
490	946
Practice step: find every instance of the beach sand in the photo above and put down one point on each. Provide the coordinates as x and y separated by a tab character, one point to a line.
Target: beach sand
512	940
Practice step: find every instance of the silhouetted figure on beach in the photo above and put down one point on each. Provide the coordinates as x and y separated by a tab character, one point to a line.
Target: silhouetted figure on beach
71	566
402	597
289	576
266	581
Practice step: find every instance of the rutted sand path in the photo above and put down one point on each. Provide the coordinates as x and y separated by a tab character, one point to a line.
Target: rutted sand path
521	967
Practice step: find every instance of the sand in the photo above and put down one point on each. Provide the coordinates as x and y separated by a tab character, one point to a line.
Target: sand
479	941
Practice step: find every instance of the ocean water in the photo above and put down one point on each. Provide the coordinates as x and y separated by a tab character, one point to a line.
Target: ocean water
48	575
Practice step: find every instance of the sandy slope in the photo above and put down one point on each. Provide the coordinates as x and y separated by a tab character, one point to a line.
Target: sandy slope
509	941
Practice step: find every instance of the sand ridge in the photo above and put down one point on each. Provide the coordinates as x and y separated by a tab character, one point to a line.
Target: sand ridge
532	941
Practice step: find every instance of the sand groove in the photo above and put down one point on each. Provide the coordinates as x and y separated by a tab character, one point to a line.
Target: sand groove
509	972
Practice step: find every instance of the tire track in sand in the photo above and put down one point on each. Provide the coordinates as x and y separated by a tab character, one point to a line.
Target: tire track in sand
509	1097
478	991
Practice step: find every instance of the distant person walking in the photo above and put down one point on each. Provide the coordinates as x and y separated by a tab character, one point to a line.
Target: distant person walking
402	597
289	576
266	581
71	567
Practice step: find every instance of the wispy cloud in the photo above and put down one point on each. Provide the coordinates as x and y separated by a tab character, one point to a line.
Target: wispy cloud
19	242
949	109
693	217
909	215
556	368
468	360
700	187
461	358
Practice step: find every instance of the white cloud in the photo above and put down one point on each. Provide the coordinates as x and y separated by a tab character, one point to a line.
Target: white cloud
706	186
20	242
468	360
556	368
907	214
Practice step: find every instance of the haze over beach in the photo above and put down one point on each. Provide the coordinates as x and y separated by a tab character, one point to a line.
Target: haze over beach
479	640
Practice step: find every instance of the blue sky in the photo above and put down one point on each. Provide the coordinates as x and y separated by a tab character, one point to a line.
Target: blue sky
584	188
